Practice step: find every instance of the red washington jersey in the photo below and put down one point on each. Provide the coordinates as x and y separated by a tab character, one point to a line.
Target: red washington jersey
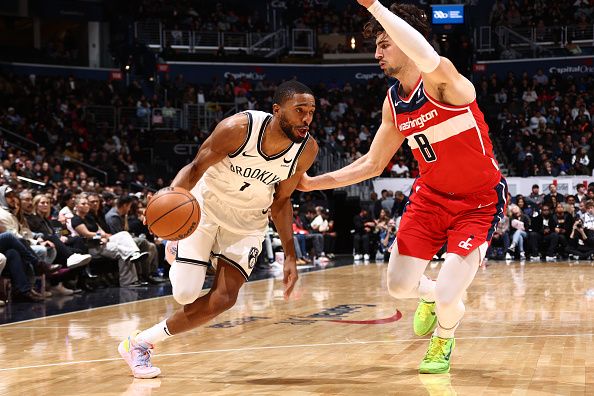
450	143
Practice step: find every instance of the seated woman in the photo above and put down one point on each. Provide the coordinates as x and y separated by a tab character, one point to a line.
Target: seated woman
37	221
519	223
119	246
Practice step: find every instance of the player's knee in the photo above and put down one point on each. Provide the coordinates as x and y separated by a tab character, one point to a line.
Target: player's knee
398	286
185	295
221	302
398	289
445	298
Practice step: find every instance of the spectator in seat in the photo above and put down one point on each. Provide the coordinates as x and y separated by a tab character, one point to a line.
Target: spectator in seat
363	235
500	241
400	201
322	224
542	235
9	206
553	197
581	242
400	169
519	224
18	268
564	217
117	221
74	256
588	217
386	230
120	246
316	238
581	193
535	196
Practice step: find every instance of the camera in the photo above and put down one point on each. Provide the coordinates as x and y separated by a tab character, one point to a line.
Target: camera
392	229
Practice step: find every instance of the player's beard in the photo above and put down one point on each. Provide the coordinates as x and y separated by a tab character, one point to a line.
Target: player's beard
288	130
392	71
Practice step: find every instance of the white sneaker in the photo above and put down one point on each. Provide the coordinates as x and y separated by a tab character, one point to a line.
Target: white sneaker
535	258
358	257
365	257
508	256
276	265
522	256
78	260
550	259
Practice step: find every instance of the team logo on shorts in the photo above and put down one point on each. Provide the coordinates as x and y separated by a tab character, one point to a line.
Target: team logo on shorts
252	257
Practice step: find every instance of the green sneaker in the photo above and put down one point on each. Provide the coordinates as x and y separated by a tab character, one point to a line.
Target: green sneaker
437	358
425	319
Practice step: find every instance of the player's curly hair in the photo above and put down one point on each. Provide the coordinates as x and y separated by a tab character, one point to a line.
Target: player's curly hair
411	14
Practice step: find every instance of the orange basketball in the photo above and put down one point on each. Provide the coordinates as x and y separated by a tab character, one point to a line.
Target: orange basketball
173	213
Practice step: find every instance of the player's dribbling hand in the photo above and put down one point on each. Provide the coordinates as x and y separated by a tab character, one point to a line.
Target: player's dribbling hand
366	3
290	277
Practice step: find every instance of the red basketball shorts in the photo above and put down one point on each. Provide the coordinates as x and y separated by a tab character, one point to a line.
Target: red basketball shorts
432	218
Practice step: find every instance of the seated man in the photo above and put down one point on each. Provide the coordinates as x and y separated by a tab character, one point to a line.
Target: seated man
363	235
117	221
542	235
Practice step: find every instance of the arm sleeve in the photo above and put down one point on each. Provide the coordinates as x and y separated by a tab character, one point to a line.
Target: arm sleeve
407	38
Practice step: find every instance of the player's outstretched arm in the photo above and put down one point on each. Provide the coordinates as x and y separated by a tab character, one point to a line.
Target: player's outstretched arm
227	138
282	213
440	77
386	142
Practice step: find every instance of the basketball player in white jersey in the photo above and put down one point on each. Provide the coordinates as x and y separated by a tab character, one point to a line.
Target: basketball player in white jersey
252	161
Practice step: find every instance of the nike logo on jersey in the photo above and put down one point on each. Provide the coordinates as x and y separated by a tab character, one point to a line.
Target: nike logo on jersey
248	155
286	161
484	206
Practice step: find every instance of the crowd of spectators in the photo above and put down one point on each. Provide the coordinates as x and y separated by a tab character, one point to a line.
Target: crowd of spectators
541	126
228	16
546	18
547	227
541	13
542	122
78	239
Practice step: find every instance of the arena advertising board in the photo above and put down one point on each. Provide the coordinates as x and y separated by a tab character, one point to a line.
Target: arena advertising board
574	66
447	14
308	74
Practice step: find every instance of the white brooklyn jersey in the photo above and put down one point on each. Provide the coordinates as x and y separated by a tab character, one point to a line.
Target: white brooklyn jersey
238	190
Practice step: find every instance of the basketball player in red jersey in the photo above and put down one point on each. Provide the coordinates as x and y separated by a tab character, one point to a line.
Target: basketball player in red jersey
459	196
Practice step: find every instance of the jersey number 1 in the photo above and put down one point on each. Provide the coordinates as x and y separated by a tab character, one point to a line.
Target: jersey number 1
425	148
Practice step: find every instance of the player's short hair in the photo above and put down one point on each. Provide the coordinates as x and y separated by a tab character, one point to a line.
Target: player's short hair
410	13
287	89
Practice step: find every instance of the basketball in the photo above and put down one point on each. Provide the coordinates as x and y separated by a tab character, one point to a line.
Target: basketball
173	213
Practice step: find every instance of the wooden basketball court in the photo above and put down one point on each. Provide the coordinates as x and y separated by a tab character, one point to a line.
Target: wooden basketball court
528	330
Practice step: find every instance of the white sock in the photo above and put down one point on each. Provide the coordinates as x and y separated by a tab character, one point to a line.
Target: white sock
427	289
157	333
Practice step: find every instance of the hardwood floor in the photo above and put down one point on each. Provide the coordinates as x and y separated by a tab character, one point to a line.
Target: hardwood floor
528	330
